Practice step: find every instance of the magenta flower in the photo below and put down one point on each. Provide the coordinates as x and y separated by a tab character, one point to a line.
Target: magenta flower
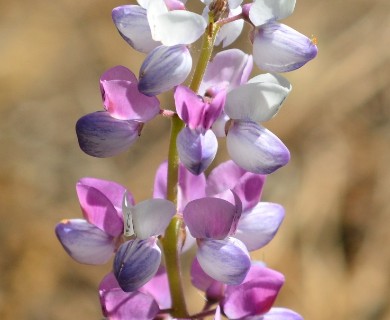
108	133
196	144
255	295
95	239
253	298
117	304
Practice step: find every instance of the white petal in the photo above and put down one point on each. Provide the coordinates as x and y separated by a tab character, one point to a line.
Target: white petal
233	4
151	217
230	31
263	11
258	100
178	27
154	9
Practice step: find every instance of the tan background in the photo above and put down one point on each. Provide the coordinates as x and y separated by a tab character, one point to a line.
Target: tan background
334	244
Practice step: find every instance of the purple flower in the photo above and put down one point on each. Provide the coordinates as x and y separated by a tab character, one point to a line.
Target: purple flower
259	221
228	69
108	133
250	145
196	144
138	259
100	135
189	187
212	221
132	24
164	68
277	47
253	298
95	239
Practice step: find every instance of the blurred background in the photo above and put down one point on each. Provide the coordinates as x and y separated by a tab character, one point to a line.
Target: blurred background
334	245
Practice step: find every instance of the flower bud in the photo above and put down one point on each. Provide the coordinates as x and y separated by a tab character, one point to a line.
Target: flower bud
279	48
163	69
101	135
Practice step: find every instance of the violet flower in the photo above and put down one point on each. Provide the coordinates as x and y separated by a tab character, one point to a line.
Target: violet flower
196	144
138	259
259	221
212	221
252	299
95	239
164	68
277	47
157	22
108	133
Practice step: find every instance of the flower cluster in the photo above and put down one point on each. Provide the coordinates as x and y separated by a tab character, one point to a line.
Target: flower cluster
218	213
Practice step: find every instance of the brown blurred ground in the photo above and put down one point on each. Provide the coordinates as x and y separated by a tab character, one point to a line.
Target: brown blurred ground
334	246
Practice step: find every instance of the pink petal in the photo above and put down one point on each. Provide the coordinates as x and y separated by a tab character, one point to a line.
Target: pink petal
100	205
122	98
118	305
253	297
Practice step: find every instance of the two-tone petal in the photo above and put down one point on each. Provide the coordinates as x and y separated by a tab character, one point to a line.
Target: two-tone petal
279	48
85	242
136	262
226	260
256	149
196	150
164	68
100	135
132	24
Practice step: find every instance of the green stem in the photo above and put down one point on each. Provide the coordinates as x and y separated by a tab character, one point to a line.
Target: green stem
174	235
205	54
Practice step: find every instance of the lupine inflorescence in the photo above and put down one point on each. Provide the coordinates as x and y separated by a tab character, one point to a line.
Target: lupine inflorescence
220	212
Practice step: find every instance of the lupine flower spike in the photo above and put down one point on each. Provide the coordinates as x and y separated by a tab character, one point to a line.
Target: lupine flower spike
214	208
